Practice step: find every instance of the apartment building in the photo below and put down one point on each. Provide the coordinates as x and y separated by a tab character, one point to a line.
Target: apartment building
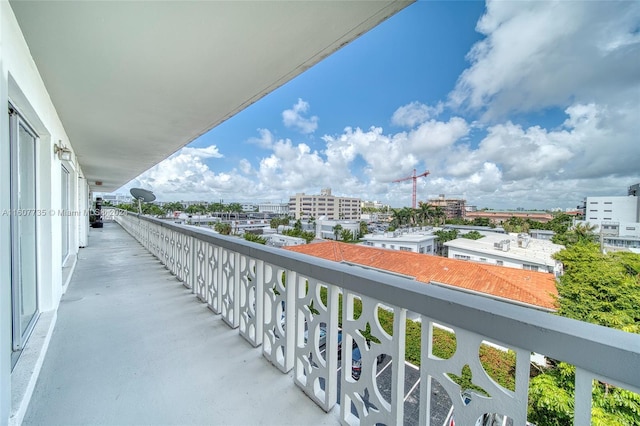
275	208
617	218
325	205
498	217
454	208
417	241
518	251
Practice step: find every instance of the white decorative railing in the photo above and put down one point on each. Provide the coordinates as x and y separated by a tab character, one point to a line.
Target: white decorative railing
289	303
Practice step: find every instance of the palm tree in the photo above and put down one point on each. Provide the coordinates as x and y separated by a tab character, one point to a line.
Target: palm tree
337	229
364	228
215	208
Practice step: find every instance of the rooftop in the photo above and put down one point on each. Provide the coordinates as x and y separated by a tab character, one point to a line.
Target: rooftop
537	250
532	288
415	236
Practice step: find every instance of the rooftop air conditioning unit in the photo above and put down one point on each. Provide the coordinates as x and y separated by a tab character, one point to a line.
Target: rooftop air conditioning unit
503	245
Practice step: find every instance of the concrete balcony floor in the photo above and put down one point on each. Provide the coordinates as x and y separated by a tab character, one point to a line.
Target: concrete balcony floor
133	346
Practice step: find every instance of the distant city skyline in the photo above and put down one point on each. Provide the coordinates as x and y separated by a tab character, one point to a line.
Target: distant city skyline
507	104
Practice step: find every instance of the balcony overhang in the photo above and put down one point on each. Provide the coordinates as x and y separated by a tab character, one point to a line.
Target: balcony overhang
134	82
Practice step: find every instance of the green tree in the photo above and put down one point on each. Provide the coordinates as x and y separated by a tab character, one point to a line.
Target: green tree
481	221
235	208
196	209
337	229
443	237
127	207
152	209
364	229
308	236
223	228
173	206
602	289
215	208
346	235
472	235
579	233
515	224
277	221
254	238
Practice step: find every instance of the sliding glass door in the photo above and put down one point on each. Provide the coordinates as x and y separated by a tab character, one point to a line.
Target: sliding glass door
64	219
23	228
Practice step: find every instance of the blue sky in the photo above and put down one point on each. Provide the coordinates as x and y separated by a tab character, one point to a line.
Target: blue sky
507	104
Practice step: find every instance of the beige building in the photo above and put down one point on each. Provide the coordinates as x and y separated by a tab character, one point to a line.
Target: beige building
325	205
452	207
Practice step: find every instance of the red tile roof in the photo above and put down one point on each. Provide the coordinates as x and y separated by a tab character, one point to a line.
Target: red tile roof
534	288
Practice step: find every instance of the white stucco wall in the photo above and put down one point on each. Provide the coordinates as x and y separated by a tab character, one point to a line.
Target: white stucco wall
21	84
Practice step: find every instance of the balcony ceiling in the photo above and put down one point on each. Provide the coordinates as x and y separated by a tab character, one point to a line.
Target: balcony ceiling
134	82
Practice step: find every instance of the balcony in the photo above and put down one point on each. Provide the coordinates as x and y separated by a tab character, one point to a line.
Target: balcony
133	345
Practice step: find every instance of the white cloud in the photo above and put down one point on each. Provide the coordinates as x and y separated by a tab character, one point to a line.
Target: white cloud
294	117
186	176
541	54
415	113
265	140
576	57
207	152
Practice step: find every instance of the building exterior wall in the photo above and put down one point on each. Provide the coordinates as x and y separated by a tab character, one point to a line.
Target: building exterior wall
325	205
452	207
616	209
462	254
277	208
478	251
22	86
324	228
498	217
424	244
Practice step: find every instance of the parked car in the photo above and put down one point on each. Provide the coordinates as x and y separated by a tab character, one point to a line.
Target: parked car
323	336
356	357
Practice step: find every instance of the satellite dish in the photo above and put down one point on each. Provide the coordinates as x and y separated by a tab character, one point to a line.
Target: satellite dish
142	195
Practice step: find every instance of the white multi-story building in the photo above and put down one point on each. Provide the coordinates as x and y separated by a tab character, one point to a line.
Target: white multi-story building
617	218
324	206
417	241
275	208
113	198
325	228
512	250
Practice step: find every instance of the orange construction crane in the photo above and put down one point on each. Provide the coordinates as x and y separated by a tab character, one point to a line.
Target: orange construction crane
415	179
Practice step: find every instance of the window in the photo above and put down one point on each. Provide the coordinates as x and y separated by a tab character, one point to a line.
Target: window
483	259
461	257
499	262
608	211
64	191
608	202
404	248
24	289
630	228
593	202
528	267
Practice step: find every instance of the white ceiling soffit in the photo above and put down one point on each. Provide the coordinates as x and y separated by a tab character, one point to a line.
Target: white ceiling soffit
134	81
